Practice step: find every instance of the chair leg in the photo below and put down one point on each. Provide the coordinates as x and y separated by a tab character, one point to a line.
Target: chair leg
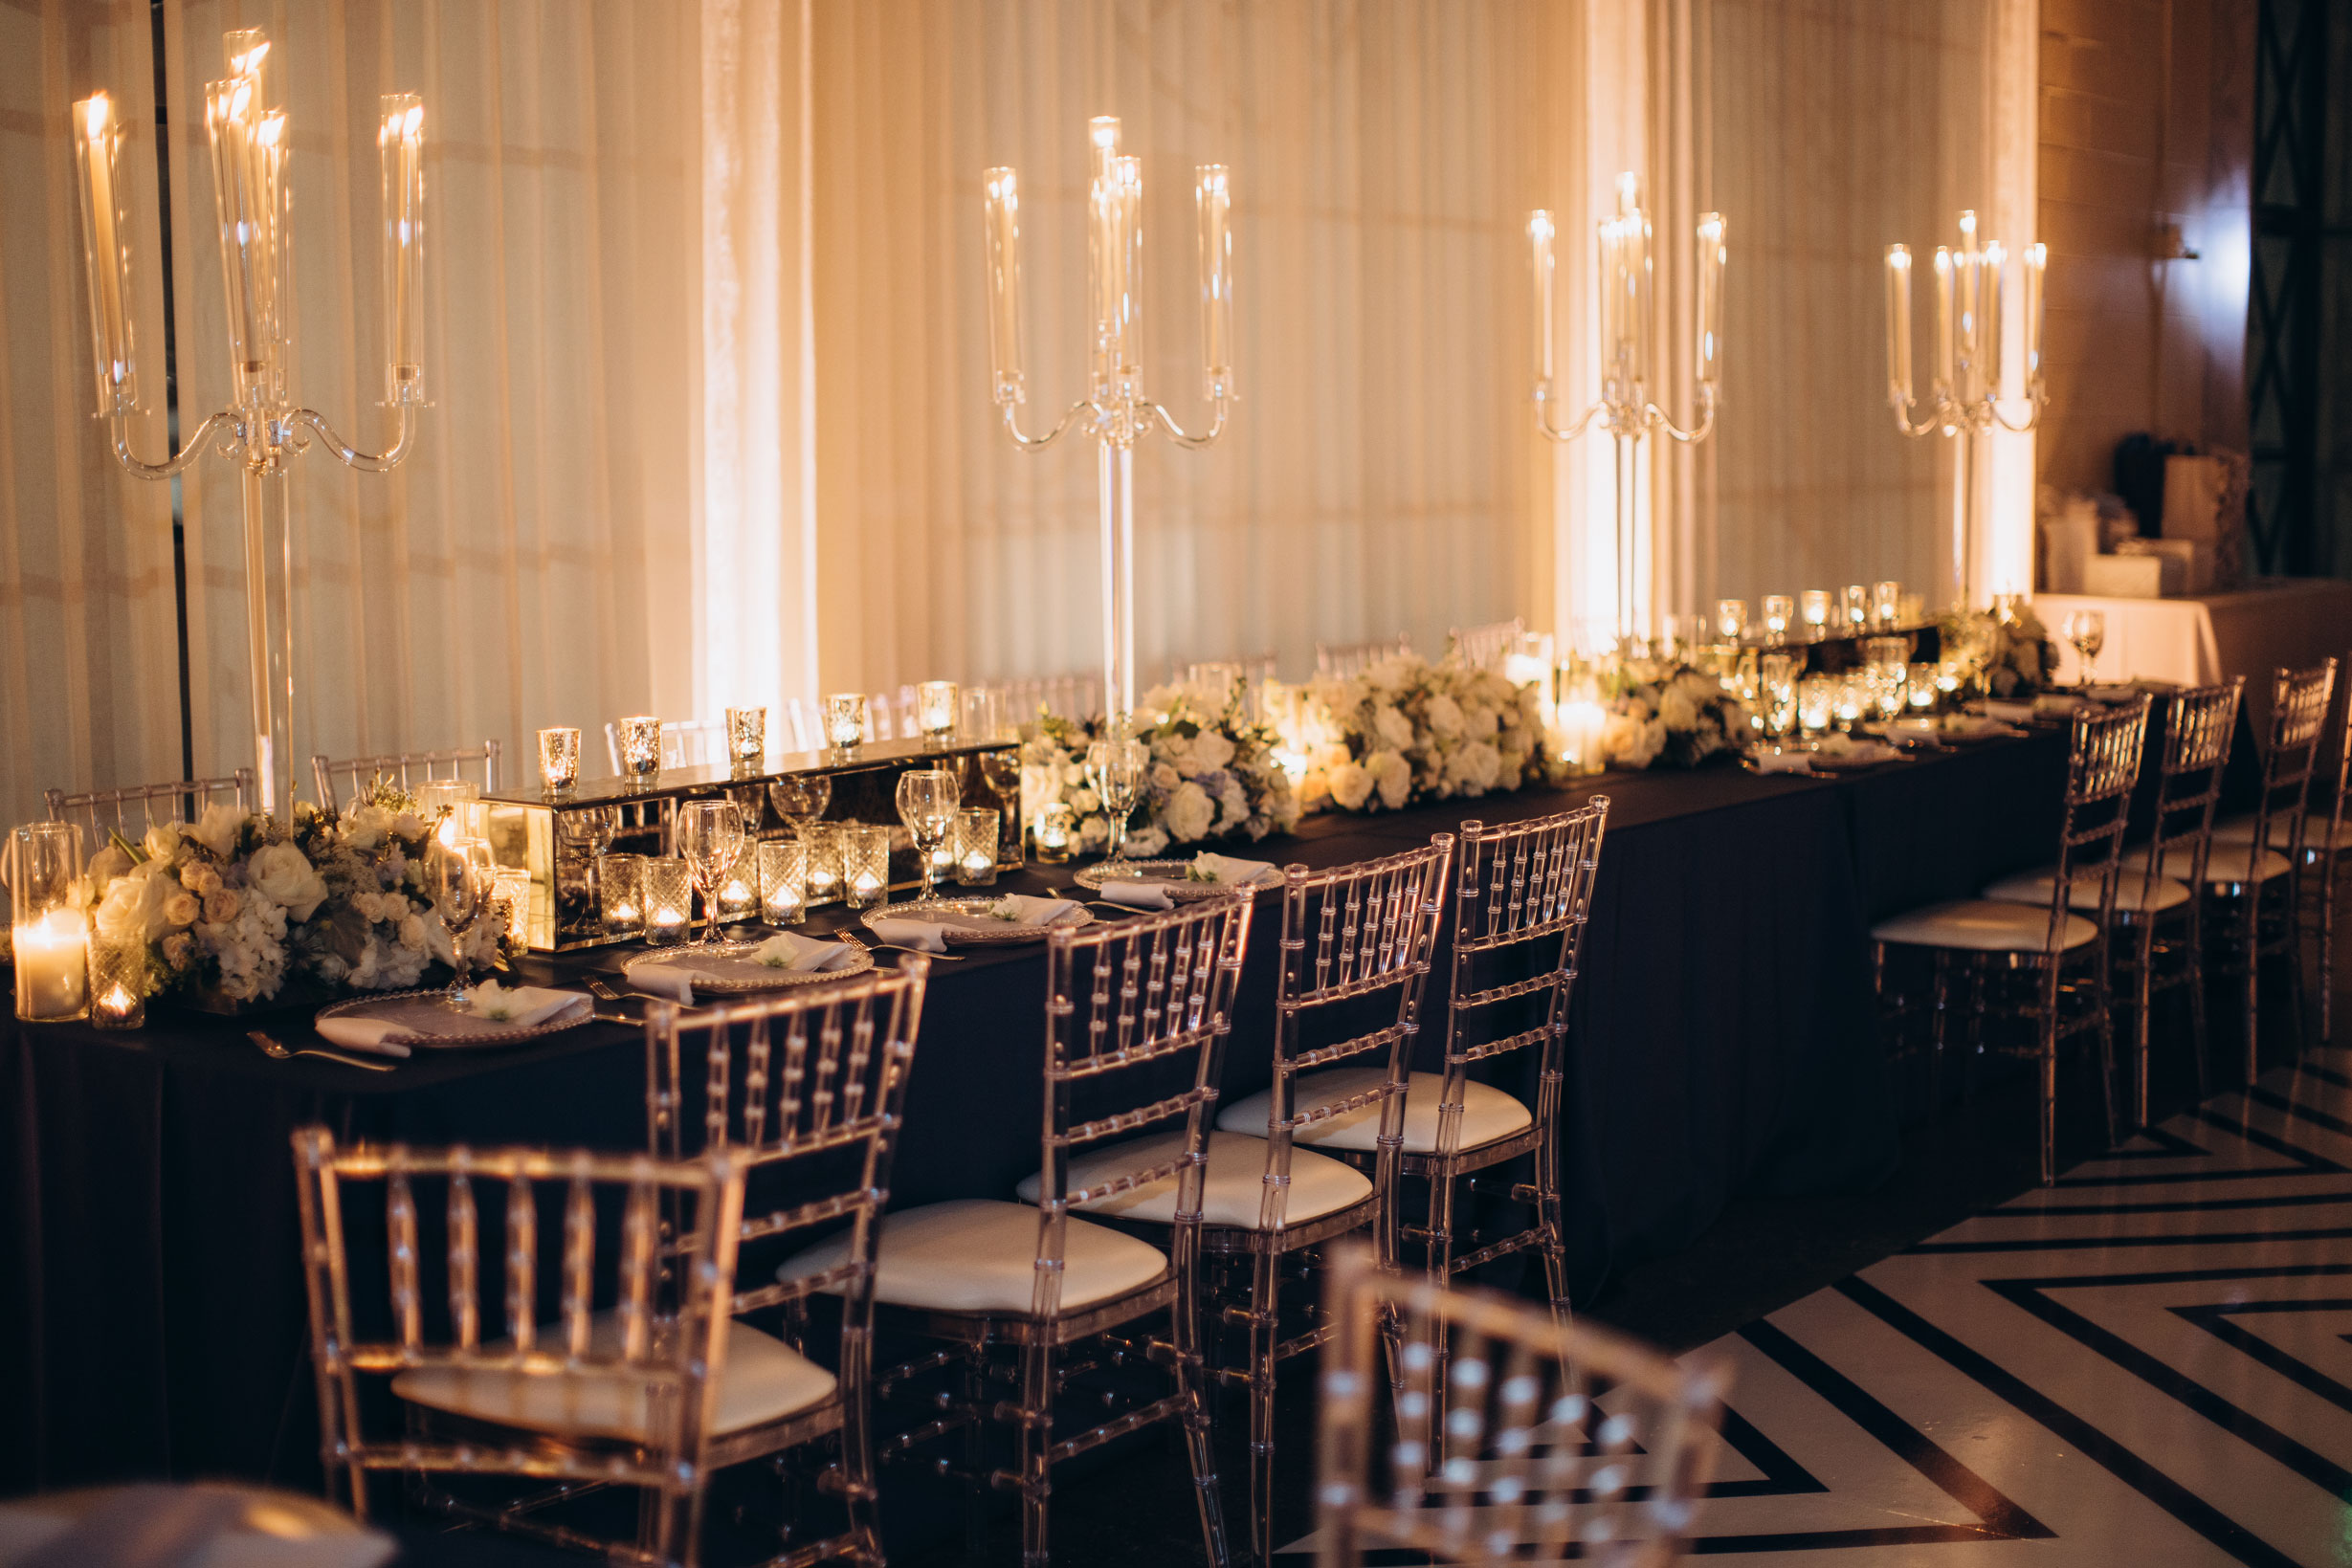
1938	1031
1265	1325
2050	1094
2139	1023
1036	1477
1548	1219
2200	1037
2327	952
1185	1328
2251	952
973	1385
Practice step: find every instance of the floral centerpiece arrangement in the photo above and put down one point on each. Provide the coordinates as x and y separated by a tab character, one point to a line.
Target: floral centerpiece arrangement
2011	647
1213	772
1662	714
235	904
1409	730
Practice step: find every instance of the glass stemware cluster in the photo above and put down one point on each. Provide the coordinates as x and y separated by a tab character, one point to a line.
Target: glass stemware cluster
710	836
1116	768
459	877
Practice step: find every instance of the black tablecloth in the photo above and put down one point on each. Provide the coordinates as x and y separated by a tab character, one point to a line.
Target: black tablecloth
151	1313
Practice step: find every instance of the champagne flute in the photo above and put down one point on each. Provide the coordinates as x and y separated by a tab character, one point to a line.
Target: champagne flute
710	835
927	802
458	878
1117	769
2087	630
801	799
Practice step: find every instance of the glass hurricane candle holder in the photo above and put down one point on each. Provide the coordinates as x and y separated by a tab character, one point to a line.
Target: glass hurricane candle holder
1816	703
1920	687
1778	610
1777	690
824	869
1855	610
747	737
51	931
118	983
1731	619
641	747
1816	602
738	891
1055	829
1886	604
865	866
559	761
974	845
620	894
783	866
668	881
935	710
844	720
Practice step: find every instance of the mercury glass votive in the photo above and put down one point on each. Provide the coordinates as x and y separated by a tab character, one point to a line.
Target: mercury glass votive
1056	828
1778	610
620	894
1816	602
865	866
974	845
1856	609
747	735
558	759
1920	687
845	719
118	983
935	710
783	865
738	891
668	881
1886	604
1816	703
641	747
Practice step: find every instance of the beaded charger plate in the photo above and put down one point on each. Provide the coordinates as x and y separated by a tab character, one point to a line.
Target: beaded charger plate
729	967
969	920
1169	877
432	1023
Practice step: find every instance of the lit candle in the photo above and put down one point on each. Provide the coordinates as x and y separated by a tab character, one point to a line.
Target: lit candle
935	709
1943	316
1967	279
1993	284
1713	252
1213	191
95	148
1128	185
400	147
52	965
1106	254
1004	229
2036	259
1539	239
1898	324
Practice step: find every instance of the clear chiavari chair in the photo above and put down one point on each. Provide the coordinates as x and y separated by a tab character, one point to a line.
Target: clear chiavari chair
2153	908
405	768
800	728
133	810
619	1365
810	1089
685	742
2061	955
1486	647
2253	881
1137	1016
1550	1440
1343	661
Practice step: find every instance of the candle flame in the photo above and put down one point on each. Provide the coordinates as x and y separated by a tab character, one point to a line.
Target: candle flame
1994	255
119	999
249	62
272	129
1943	261
97	113
1104	130
1899	257
2038	254
1004	185
1213	179
1629	192
1539	225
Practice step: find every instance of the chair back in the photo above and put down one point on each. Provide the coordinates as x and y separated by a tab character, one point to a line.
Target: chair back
810	1087
1137	1016
2326	846
405	768
685	742
2299	704
397	1284
2103	765
1343	661
2199	725
1524	889
1552	1440
1486	647
1348	934
1064	697
800	725
132	810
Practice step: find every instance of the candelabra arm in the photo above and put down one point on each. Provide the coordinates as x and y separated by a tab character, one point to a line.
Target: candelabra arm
350	456
188	454
1652	414
1034	443
1168	423
1928	426
1553	432
2034	400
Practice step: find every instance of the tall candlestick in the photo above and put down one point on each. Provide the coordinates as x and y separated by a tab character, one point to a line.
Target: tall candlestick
1004	224
400	146
1540	236
1713	252
1215	198
1128	182
1898	321
1966	266
1944	317
1991	284
103	255
2036	259
1107	252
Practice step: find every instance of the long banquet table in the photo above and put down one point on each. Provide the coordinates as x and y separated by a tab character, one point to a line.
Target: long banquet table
151	1313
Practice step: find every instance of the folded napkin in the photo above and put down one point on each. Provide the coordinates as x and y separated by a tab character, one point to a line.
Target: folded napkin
380	1035
1137	894
1846	749
525	1007
675	981
805	954
2008	713
1020	909
1780	761
920	935
1225	869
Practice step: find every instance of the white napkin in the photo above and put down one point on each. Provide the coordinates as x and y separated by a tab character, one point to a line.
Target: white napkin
921	934
1846	749
788	950
1137	894
1780	761
377	1034
2008	713
675	981
1025	910
525	1007
1225	871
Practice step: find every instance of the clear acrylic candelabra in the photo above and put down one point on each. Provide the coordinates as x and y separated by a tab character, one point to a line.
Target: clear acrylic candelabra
1627	325
1115	410
1964	401
263	427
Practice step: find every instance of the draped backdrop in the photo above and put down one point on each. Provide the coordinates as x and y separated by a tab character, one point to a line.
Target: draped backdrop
709	367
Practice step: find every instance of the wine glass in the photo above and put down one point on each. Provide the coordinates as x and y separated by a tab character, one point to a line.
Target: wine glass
927	802
1116	768
710	835
458	877
800	799
587	831
1001	771
2087	630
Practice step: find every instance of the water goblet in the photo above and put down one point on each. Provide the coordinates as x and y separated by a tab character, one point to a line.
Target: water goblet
927	802
458	878
800	799
1777	685
1116	768
710	836
2087	630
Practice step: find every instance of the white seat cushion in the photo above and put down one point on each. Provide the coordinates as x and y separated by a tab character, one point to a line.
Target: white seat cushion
763	1380
1488	1114
2224	863
978	1255
2131	891
1982	925
1232	1194
2241	830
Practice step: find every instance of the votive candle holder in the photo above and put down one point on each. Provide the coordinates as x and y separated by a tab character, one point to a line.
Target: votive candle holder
865	866
510	894
1731	619
738	892
823	840
783	865
558	759
620	891
1856	608
1779	609
845	719
1886	604
1777	687
935	710
1816	703
747	735
640	746
118	983
1920	687
974	845
669	900
1055	829
1816	605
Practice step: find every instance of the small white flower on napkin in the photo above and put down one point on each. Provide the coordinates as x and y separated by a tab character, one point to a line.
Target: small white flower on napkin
1225	871
1021	909
526	1005
786	950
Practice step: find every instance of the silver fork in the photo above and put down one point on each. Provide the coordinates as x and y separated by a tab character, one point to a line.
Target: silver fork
285	1052
855	941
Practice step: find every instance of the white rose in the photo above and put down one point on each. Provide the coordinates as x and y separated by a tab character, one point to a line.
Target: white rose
395	907
1391	727
1188	813
1392	674
1350	786
1677	709
1211	750
1444	715
182	908
1145	843
1392	776
133	908
413	934
367	826
370	906
1483	764
1085	802
218	830
1163	778
1480	721
163	841
108	864
281	873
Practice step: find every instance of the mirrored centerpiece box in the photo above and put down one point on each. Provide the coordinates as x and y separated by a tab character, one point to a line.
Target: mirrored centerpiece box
557	838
